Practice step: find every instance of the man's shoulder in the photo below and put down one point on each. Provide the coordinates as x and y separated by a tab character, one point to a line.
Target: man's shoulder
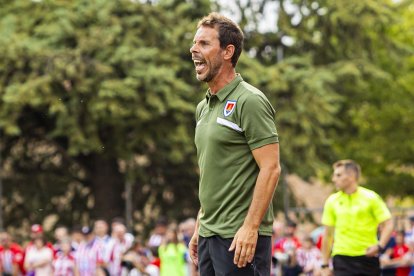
202	103
248	96
247	90
200	107
368	194
333	197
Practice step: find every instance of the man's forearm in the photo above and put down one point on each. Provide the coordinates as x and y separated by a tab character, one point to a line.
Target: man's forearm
193	245
327	243
386	232
197	224
263	193
326	251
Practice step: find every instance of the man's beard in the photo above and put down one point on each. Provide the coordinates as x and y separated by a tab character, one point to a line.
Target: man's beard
212	73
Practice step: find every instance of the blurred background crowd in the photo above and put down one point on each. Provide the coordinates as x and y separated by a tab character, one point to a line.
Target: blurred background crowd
107	248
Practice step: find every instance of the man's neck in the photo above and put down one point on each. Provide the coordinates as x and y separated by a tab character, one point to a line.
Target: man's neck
224	77
351	189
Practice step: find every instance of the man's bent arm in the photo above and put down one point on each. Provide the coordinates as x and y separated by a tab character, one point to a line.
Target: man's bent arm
244	242
387	228
327	243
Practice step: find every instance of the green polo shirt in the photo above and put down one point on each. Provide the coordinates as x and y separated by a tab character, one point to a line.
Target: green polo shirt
355	218
230	124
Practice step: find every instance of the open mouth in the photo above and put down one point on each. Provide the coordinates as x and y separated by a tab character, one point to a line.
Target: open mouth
199	65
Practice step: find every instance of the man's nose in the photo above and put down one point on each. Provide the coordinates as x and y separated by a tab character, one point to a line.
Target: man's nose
193	48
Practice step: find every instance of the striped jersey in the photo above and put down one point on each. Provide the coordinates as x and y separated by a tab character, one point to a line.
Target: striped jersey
64	265
88	257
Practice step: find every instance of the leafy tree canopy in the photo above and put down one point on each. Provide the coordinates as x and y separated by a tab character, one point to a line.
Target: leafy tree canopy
96	94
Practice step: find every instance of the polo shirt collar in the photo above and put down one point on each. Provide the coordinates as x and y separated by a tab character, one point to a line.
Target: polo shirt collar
353	194
226	90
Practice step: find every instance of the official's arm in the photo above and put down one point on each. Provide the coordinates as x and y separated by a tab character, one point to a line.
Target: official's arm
387	228
327	243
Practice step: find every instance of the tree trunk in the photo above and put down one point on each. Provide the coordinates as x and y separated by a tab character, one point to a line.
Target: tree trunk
107	187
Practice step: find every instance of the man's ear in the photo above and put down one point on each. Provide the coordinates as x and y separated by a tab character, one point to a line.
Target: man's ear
229	52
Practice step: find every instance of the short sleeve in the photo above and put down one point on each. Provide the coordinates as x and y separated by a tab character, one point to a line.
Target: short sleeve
328	216
258	121
380	209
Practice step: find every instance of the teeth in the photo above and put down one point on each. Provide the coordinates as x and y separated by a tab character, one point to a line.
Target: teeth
198	62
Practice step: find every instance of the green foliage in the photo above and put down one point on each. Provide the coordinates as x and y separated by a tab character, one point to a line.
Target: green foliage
341	86
105	80
97	92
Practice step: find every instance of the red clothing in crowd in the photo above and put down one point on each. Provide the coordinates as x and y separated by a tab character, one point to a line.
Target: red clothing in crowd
156	262
48	244
309	259
64	265
89	257
11	256
287	244
399	252
319	242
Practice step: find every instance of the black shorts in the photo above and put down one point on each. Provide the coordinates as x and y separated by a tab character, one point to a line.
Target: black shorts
356	266
214	258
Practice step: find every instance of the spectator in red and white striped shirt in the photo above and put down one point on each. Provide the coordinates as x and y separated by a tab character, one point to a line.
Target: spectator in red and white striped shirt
39	257
64	262
119	232
11	256
76	236
88	256
36	231
121	242
61	232
309	257
100	229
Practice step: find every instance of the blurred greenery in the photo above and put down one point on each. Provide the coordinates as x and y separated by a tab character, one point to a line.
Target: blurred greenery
95	93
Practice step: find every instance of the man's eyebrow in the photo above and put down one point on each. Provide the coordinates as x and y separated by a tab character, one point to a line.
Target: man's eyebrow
201	40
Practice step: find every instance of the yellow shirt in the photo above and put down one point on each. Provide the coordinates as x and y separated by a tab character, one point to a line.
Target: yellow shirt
356	218
173	261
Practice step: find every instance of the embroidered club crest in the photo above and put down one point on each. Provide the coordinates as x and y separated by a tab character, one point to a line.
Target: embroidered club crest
229	107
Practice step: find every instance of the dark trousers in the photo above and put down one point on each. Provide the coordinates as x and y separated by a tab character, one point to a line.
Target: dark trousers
214	258
356	266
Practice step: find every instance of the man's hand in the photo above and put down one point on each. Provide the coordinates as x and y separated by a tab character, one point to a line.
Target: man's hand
244	244
193	247
325	272
372	251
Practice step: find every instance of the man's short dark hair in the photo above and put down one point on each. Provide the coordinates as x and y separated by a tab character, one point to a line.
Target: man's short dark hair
229	33
349	165
162	221
118	220
76	229
291	223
